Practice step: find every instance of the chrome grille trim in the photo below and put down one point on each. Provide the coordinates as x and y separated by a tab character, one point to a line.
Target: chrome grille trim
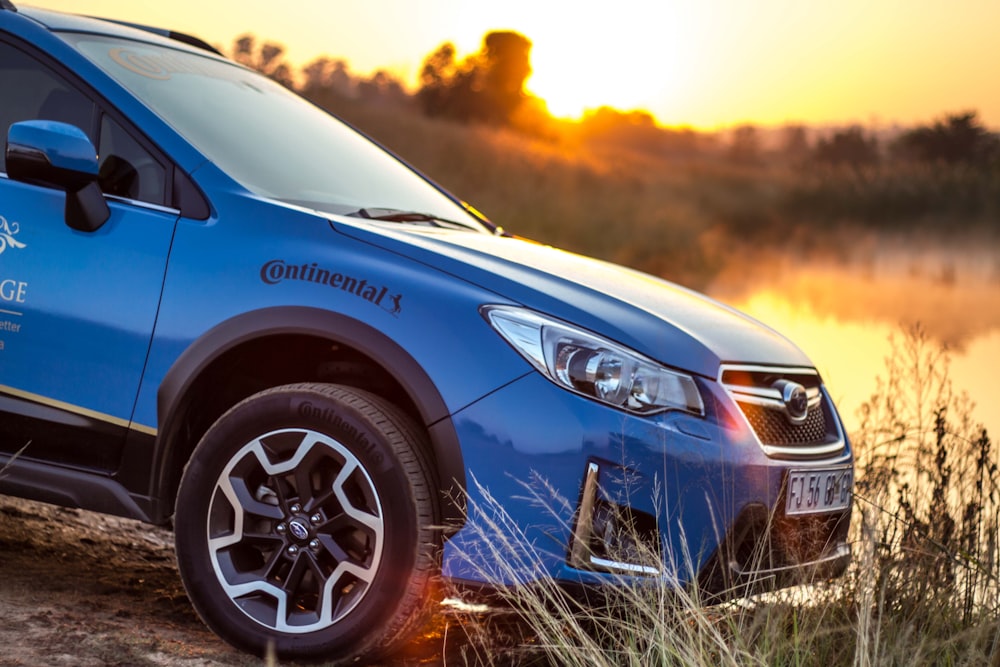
770	398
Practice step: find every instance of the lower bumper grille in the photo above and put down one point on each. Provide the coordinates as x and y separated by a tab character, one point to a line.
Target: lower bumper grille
770	552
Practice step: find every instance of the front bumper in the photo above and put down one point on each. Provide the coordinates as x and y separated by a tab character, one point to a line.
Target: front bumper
561	487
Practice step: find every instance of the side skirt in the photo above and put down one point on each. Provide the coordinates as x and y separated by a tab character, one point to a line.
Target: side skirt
69	488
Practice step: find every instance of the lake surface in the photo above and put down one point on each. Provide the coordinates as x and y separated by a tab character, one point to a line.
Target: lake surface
843	315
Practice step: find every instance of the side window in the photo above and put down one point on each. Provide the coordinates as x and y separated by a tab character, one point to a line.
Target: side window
30	90
128	169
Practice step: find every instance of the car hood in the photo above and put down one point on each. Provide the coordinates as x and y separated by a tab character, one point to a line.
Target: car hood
674	325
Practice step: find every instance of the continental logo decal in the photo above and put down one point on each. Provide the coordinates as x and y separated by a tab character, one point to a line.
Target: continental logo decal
278	270
156	66
8	230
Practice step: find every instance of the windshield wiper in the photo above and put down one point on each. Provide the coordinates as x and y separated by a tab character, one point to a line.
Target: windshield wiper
397	215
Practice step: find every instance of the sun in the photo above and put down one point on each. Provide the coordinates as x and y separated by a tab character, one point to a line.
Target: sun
570	83
583	58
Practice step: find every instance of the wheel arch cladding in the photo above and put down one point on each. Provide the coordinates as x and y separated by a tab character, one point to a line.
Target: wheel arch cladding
173	397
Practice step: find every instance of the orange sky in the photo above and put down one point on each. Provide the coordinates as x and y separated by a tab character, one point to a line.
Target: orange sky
704	63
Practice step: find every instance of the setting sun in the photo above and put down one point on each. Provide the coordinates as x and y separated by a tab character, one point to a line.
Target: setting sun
583	62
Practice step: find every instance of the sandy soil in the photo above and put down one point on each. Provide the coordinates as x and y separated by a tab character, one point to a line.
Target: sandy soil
87	590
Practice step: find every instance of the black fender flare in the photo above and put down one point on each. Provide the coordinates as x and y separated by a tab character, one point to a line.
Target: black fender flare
320	323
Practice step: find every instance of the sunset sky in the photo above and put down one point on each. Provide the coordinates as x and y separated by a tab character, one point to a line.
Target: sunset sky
703	63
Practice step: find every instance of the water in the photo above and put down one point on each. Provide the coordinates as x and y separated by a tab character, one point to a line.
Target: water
843	314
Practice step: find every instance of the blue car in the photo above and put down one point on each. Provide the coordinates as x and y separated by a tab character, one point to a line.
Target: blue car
223	308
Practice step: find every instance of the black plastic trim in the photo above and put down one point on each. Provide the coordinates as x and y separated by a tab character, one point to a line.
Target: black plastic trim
46	413
337	328
188	198
67	487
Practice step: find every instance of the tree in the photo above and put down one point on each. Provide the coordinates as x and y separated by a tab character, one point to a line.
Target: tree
849	146
505	66
958	138
326	74
794	142
486	87
382	88
745	144
437	77
268	60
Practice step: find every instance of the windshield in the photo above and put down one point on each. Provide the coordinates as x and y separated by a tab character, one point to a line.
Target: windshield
268	139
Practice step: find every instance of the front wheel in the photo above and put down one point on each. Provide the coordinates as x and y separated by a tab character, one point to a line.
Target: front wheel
305	521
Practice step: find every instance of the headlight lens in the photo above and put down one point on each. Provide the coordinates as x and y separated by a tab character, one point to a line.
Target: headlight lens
594	366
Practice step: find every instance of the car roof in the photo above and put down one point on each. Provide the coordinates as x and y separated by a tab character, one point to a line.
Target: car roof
62	22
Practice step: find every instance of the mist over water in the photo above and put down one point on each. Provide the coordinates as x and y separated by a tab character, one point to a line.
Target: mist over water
843	314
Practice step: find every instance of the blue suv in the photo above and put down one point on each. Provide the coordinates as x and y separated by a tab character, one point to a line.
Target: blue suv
223	308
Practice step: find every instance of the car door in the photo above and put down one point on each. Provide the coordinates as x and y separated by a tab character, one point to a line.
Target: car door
77	308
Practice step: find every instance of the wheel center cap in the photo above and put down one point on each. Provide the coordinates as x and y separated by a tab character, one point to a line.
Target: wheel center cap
298	529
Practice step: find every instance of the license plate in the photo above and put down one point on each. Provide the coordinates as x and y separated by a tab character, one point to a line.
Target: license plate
822	490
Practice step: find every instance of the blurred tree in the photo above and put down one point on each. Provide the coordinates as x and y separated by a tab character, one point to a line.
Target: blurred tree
745	145
505	66
616	124
958	138
328	83
383	88
326	74
850	147
437	77
635	130
268	59
794	142
487	86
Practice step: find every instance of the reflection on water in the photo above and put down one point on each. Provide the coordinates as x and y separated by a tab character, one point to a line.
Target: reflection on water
843	319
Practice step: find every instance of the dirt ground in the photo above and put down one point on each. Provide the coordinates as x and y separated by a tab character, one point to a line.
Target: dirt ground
88	590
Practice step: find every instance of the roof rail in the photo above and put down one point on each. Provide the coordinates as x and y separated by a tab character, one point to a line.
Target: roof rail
190	40
193	41
8	5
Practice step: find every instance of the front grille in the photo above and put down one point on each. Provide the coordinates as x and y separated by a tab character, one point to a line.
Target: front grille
772	428
758	391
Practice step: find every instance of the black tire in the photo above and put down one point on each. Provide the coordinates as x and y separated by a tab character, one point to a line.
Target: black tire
305	522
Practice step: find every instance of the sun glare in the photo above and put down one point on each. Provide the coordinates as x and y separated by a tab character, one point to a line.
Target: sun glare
585	59
572	83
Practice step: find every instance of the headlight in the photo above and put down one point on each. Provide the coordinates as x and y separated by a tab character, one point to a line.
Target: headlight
594	366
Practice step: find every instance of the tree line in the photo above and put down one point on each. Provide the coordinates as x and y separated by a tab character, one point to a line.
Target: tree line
488	87
955	138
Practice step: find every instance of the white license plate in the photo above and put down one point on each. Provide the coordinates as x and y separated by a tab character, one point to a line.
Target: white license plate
822	490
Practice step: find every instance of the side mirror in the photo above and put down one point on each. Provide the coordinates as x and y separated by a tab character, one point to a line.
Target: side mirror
59	155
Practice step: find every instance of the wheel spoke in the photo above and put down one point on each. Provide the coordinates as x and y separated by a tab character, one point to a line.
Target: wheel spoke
363	575
272	568
293	581
320	500
304	482
249	504
333	548
374	523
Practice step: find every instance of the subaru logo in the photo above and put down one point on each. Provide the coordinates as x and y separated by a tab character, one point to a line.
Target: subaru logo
298	529
795	400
